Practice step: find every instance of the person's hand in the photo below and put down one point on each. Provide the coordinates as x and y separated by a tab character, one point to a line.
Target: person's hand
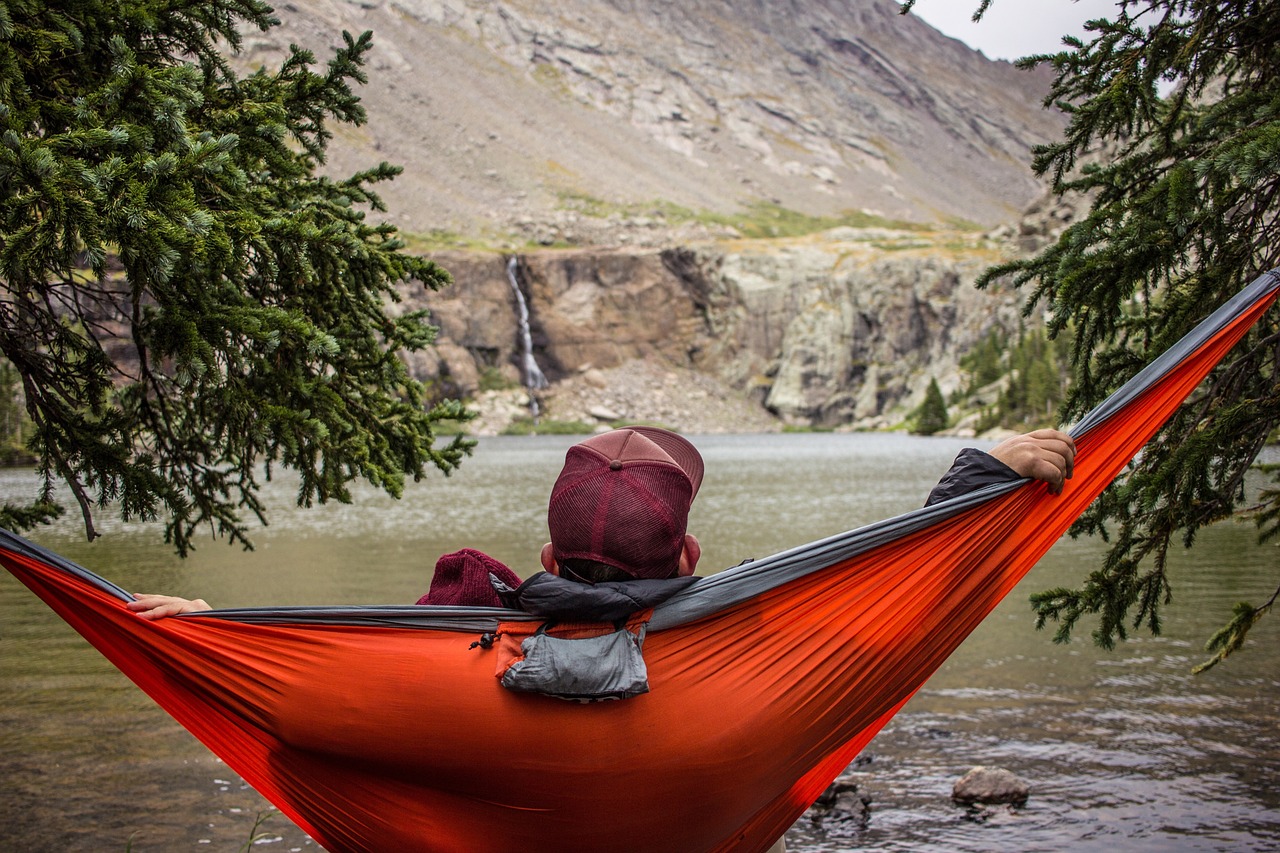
1046	454
160	606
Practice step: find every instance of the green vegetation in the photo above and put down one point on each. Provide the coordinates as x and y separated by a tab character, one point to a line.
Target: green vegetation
440	240
551	76
931	416
1183	211
1038	380
765	219
761	220
1035	374
185	298
451	427
531	426
492	379
986	362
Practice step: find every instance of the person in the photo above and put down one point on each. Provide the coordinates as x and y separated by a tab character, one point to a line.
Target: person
618	513
618	516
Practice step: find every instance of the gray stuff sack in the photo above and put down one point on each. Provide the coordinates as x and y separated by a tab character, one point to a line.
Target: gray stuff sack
593	669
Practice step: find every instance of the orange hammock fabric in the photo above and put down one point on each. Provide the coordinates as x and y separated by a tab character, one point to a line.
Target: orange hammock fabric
381	729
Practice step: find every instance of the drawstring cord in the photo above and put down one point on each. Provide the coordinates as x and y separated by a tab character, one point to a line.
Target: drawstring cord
485	642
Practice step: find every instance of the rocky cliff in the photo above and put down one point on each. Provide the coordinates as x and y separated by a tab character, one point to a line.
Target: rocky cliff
845	328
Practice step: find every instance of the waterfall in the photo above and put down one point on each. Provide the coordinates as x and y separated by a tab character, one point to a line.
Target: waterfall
534	378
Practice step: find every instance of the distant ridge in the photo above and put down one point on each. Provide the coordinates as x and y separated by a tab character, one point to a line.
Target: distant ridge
514	117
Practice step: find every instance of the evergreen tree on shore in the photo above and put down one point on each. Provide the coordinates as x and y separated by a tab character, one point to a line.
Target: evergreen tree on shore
1184	95
931	417
188	303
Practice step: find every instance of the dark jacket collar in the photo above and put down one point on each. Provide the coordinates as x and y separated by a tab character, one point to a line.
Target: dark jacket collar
554	597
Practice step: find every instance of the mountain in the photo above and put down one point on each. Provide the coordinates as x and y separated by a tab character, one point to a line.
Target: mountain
593	121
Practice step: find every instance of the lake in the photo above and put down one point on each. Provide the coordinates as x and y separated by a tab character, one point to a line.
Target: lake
1124	750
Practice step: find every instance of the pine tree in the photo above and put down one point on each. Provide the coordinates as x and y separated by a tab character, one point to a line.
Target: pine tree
1035	373
1184	98
931	417
985	361
188	302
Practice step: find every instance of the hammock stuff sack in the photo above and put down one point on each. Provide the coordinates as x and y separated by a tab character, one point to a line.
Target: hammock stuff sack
385	728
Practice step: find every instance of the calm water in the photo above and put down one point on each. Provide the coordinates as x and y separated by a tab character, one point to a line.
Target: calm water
1124	750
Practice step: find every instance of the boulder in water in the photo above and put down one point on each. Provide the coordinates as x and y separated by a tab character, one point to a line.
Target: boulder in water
990	785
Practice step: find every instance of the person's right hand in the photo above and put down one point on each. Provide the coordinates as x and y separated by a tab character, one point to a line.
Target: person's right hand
159	606
1046	454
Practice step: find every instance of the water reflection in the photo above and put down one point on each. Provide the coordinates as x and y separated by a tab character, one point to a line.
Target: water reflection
1124	750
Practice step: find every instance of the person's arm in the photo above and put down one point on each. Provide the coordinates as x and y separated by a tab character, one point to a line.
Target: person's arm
1045	454
159	606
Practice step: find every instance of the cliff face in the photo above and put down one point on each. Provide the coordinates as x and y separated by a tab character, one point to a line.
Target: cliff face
842	329
554	121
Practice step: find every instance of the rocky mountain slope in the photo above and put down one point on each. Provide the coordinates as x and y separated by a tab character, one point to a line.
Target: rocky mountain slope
624	133
583	121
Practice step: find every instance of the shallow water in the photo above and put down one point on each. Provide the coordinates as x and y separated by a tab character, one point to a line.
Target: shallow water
1124	750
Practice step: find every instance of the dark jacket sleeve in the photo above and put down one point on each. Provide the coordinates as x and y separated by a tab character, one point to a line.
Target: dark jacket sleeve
972	470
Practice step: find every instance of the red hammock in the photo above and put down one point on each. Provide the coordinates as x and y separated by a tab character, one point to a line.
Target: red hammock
383	728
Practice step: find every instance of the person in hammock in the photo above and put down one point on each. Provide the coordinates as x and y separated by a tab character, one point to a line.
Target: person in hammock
839	670
618	516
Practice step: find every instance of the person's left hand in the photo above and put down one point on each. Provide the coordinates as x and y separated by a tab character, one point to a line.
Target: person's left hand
1045	454
159	606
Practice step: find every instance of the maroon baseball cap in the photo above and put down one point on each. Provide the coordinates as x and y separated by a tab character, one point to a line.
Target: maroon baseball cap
623	499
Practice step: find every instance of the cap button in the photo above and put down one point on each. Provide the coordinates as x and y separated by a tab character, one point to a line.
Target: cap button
615	465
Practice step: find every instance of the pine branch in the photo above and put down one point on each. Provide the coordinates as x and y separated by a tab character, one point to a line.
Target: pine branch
1231	637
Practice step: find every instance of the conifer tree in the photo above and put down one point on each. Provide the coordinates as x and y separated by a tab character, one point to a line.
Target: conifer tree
984	362
931	417
1183	98
188	302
